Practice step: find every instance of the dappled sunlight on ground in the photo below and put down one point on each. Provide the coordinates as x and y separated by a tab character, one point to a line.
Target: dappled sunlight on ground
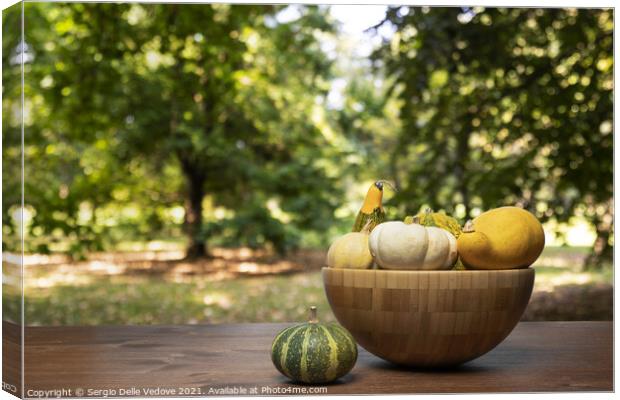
58	279
219	299
548	283
169	265
111	257
573	262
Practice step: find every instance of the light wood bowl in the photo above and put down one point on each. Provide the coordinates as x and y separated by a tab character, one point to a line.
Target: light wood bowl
428	318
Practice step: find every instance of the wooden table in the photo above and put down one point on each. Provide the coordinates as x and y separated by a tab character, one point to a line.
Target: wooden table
235	359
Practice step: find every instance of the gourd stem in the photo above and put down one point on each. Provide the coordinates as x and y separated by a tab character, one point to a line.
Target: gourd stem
388	183
415	219
428	211
469	227
313	319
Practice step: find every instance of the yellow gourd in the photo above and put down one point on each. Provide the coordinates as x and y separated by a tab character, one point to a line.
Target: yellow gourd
372	209
503	238
350	251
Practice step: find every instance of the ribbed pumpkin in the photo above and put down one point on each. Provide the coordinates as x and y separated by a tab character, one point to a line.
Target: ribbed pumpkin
440	220
396	245
372	209
313	352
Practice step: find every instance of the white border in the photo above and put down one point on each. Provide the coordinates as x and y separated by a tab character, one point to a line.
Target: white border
489	3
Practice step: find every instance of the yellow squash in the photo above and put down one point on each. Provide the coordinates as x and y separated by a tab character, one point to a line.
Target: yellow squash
350	251
503	238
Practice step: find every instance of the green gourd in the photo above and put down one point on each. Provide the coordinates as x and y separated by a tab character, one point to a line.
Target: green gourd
438	219
313	352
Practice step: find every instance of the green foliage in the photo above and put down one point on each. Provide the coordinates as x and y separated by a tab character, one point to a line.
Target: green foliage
503	106
254	227
11	123
151	107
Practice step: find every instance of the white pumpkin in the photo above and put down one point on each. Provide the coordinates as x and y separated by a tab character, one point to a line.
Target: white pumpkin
396	245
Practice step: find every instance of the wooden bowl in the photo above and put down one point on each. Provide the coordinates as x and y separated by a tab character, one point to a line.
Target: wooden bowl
428	318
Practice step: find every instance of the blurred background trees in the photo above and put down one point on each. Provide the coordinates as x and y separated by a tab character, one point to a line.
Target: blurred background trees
203	107
504	106
212	124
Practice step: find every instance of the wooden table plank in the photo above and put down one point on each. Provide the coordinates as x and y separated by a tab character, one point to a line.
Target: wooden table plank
536	357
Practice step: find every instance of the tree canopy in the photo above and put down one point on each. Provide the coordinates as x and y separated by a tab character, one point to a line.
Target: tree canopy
172	104
504	106
213	121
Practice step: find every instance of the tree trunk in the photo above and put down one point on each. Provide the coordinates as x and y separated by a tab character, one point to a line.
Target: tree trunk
602	253
195	180
462	154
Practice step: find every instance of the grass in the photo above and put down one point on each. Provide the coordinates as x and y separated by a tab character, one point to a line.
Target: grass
548	278
566	251
126	300
157	299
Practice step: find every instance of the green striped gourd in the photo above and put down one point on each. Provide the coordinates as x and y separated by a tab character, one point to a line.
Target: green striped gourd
313	352
440	220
